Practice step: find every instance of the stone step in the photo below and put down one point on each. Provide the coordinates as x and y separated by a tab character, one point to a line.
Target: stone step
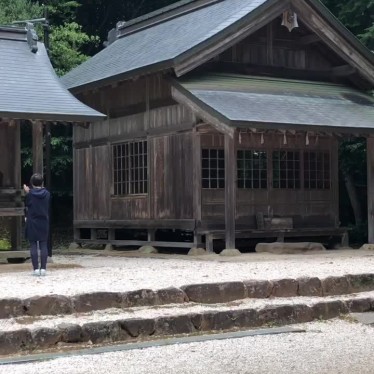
205	293
22	335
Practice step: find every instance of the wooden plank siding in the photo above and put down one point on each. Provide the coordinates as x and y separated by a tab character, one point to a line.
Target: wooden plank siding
308	208
83	187
274	45
10	154
172	182
168	131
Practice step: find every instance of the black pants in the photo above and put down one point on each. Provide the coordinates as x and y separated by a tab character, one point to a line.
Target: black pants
42	246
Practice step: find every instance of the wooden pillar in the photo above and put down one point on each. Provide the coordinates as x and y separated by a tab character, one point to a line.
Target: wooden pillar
370	188
37	147
196	159
230	190
16	222
334	167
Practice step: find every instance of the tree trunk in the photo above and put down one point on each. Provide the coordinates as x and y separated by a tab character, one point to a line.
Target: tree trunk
353	197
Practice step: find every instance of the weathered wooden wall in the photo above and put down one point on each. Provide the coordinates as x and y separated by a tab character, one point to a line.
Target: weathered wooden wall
10	167
274	45
307	207
142	109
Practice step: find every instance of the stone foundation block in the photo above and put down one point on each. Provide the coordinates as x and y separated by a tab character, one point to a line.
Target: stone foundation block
284	288
136	298
11	308
360	282
45	337
70	332
171	295
329	309
174	325
138	327
310	286
96	301
359	305
15	341
213	293
100	332
48	305
258	289
335	286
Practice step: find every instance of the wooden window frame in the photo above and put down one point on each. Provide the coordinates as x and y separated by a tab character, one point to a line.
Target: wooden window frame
289	169
130	168
213	168
250	176
317	170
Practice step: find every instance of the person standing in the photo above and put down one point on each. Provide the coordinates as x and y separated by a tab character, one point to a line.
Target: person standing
37	222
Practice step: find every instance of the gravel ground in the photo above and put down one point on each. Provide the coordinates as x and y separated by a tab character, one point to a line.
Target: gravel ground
99	273
333	347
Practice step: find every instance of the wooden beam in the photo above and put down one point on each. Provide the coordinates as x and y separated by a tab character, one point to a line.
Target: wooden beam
334	38
230	190
233	35
37	147
280	71
201	112
309	39
343	71
370	188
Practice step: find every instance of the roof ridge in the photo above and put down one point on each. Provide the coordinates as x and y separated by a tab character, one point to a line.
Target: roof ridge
162	15
9	32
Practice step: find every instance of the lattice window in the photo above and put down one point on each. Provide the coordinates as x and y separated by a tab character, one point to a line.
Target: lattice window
130	176
252	169
286	169
213	168
317	170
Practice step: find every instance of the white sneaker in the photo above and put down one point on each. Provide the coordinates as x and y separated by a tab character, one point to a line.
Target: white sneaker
43	272
36	272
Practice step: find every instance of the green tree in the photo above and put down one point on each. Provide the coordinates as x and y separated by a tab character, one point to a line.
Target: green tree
357	16
66	43
18	10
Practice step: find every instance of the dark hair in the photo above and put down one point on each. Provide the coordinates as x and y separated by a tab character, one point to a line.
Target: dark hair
36	180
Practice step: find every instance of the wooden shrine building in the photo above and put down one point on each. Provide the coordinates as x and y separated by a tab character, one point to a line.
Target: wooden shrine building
29	90
223	121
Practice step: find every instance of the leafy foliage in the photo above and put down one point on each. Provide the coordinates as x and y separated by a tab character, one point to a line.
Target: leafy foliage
67	41
19	10
357	16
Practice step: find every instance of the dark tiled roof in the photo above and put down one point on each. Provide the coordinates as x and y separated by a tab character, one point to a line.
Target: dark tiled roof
29	87
276	102
161	43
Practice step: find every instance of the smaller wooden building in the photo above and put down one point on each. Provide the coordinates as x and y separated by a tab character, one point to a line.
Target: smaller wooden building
224	122
29	90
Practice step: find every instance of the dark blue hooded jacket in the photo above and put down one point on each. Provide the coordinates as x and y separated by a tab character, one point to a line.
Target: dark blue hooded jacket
37	214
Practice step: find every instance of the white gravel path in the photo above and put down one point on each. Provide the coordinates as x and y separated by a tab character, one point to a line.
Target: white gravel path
128	273
333	347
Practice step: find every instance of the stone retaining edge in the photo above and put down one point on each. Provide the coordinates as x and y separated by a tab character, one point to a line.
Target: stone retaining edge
206	293
130	330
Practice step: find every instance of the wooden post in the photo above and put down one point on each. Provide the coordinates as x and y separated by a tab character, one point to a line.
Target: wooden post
370	188
16	222
37	147
196	159
230	190
48	155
